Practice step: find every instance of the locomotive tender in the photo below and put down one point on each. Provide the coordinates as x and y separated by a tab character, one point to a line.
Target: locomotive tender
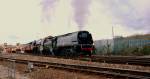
71	44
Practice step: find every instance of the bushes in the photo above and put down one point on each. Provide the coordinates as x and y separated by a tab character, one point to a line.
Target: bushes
137	51
128	51
1	49
146	50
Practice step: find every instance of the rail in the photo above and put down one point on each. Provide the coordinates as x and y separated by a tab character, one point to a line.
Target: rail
131	60
90	69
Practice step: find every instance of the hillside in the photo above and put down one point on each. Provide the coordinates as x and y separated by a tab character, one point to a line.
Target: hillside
145	36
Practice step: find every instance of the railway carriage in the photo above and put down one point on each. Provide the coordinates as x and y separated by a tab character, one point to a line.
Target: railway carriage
46	46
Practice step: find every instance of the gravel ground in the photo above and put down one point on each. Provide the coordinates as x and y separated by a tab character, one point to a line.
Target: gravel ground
5	73
61	74
44	73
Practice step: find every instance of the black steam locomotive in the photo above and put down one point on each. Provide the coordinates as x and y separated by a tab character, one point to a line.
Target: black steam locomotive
72	44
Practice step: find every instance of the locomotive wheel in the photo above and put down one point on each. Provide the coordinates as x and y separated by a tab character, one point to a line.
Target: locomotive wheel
70	53
56	52
73	53
90	54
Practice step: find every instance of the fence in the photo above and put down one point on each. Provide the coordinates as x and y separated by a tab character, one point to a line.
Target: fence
116	45
104	46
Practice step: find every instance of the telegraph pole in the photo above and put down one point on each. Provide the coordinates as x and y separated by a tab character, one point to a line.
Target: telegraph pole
113	39
112	32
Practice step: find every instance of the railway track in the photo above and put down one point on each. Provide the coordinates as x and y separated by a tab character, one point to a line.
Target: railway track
114	72
131	60
137	60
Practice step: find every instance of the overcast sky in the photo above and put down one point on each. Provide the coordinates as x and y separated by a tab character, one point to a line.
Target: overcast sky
25	20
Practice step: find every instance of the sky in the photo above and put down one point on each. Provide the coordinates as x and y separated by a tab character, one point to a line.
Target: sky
27	20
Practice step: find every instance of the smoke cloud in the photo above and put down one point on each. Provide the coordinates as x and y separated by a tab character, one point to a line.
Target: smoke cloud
81	11
47	8
129	13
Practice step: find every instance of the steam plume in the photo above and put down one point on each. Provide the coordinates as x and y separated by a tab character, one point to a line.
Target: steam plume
81	11
47	8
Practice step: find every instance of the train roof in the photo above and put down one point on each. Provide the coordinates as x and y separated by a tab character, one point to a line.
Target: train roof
71	33
50	37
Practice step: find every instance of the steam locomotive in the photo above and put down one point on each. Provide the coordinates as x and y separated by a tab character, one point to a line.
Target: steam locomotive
72	44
